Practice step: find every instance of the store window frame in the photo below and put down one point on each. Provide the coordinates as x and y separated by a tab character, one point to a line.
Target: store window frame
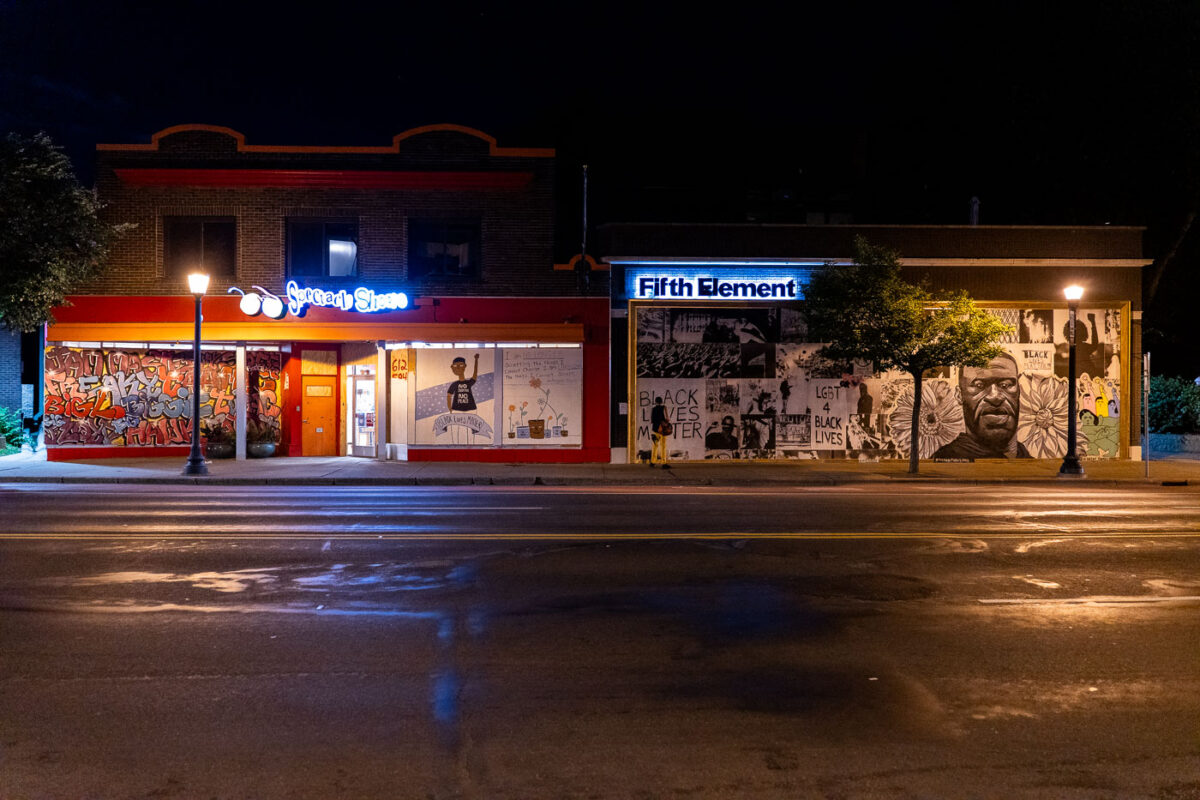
319	233
188	242
461	234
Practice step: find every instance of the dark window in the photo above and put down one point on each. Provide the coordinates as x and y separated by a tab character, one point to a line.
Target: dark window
322	248
443	247
205	244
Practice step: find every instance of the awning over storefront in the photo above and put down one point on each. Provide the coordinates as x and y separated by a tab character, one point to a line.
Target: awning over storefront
170	319
313	332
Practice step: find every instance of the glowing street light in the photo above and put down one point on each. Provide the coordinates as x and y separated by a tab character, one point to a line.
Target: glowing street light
196	465
1071	468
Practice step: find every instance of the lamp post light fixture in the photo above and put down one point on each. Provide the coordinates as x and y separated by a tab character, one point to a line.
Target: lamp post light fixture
1071	468
196	465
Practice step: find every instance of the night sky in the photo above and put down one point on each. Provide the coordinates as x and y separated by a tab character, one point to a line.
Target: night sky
1049	112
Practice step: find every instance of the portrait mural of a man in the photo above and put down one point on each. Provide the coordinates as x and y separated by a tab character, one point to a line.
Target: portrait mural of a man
991	404
754	369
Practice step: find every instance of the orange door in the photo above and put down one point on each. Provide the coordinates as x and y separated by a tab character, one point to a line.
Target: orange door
318	415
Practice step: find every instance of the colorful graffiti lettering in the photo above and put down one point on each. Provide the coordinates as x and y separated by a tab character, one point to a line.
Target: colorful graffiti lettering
132	397
263	368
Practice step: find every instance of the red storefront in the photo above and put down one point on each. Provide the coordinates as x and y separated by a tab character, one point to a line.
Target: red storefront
392	301
510	379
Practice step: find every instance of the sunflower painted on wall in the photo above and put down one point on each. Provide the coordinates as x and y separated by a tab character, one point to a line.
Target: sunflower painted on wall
1042	426
941	418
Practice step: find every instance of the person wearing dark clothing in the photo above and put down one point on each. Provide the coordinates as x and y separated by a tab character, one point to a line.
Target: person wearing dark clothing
658	434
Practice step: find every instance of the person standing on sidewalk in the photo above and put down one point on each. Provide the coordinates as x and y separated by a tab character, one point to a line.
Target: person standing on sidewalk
660	429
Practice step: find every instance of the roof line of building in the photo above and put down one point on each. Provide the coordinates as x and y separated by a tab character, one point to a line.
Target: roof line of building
394	148
851	226
915	261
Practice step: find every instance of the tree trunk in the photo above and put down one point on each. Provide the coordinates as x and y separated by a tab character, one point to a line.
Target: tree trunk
914	449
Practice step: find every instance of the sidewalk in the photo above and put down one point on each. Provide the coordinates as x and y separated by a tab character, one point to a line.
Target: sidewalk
29	467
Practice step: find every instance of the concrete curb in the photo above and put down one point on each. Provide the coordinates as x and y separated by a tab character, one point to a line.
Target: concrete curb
554	480
30	468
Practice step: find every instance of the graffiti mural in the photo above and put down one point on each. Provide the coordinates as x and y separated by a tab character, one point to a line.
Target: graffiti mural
263	368
753	388
132	398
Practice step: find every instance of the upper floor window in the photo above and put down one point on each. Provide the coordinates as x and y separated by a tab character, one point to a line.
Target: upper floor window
322	248
205	244
443	247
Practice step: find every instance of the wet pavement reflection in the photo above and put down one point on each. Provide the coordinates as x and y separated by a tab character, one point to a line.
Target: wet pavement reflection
755	669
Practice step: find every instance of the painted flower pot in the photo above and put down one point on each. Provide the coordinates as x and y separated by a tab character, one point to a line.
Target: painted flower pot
537	429
512	434
219	449
260	449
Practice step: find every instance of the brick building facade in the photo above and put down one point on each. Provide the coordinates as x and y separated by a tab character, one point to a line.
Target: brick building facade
443	217
10	371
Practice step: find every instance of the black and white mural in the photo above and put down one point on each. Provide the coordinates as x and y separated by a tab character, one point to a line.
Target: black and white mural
743	383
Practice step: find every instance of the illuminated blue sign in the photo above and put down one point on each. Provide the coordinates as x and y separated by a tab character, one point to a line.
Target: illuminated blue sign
360	299
715	284
299	298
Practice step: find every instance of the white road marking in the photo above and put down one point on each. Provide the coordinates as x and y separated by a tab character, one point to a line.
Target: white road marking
1037	582
1087	601
1025	548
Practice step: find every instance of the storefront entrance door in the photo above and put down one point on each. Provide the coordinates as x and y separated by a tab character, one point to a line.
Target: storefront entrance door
361	421
318	416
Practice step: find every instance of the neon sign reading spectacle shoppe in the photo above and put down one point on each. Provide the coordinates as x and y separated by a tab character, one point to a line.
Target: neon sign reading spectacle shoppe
360	299
299	298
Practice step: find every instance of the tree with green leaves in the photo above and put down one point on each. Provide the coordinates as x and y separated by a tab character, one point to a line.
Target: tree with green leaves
51	236
866	310
1174	405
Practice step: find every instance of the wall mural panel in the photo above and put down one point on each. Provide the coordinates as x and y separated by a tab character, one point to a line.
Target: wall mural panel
542	402
133	398
455	397
742	383
539	391
263	398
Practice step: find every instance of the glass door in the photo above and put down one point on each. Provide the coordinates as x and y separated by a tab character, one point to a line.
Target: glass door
361	411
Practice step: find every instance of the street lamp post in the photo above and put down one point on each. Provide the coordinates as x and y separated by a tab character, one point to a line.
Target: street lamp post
1071	468
197	285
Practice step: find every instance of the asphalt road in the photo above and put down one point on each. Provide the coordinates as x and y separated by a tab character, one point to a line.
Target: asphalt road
476	642
568	513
